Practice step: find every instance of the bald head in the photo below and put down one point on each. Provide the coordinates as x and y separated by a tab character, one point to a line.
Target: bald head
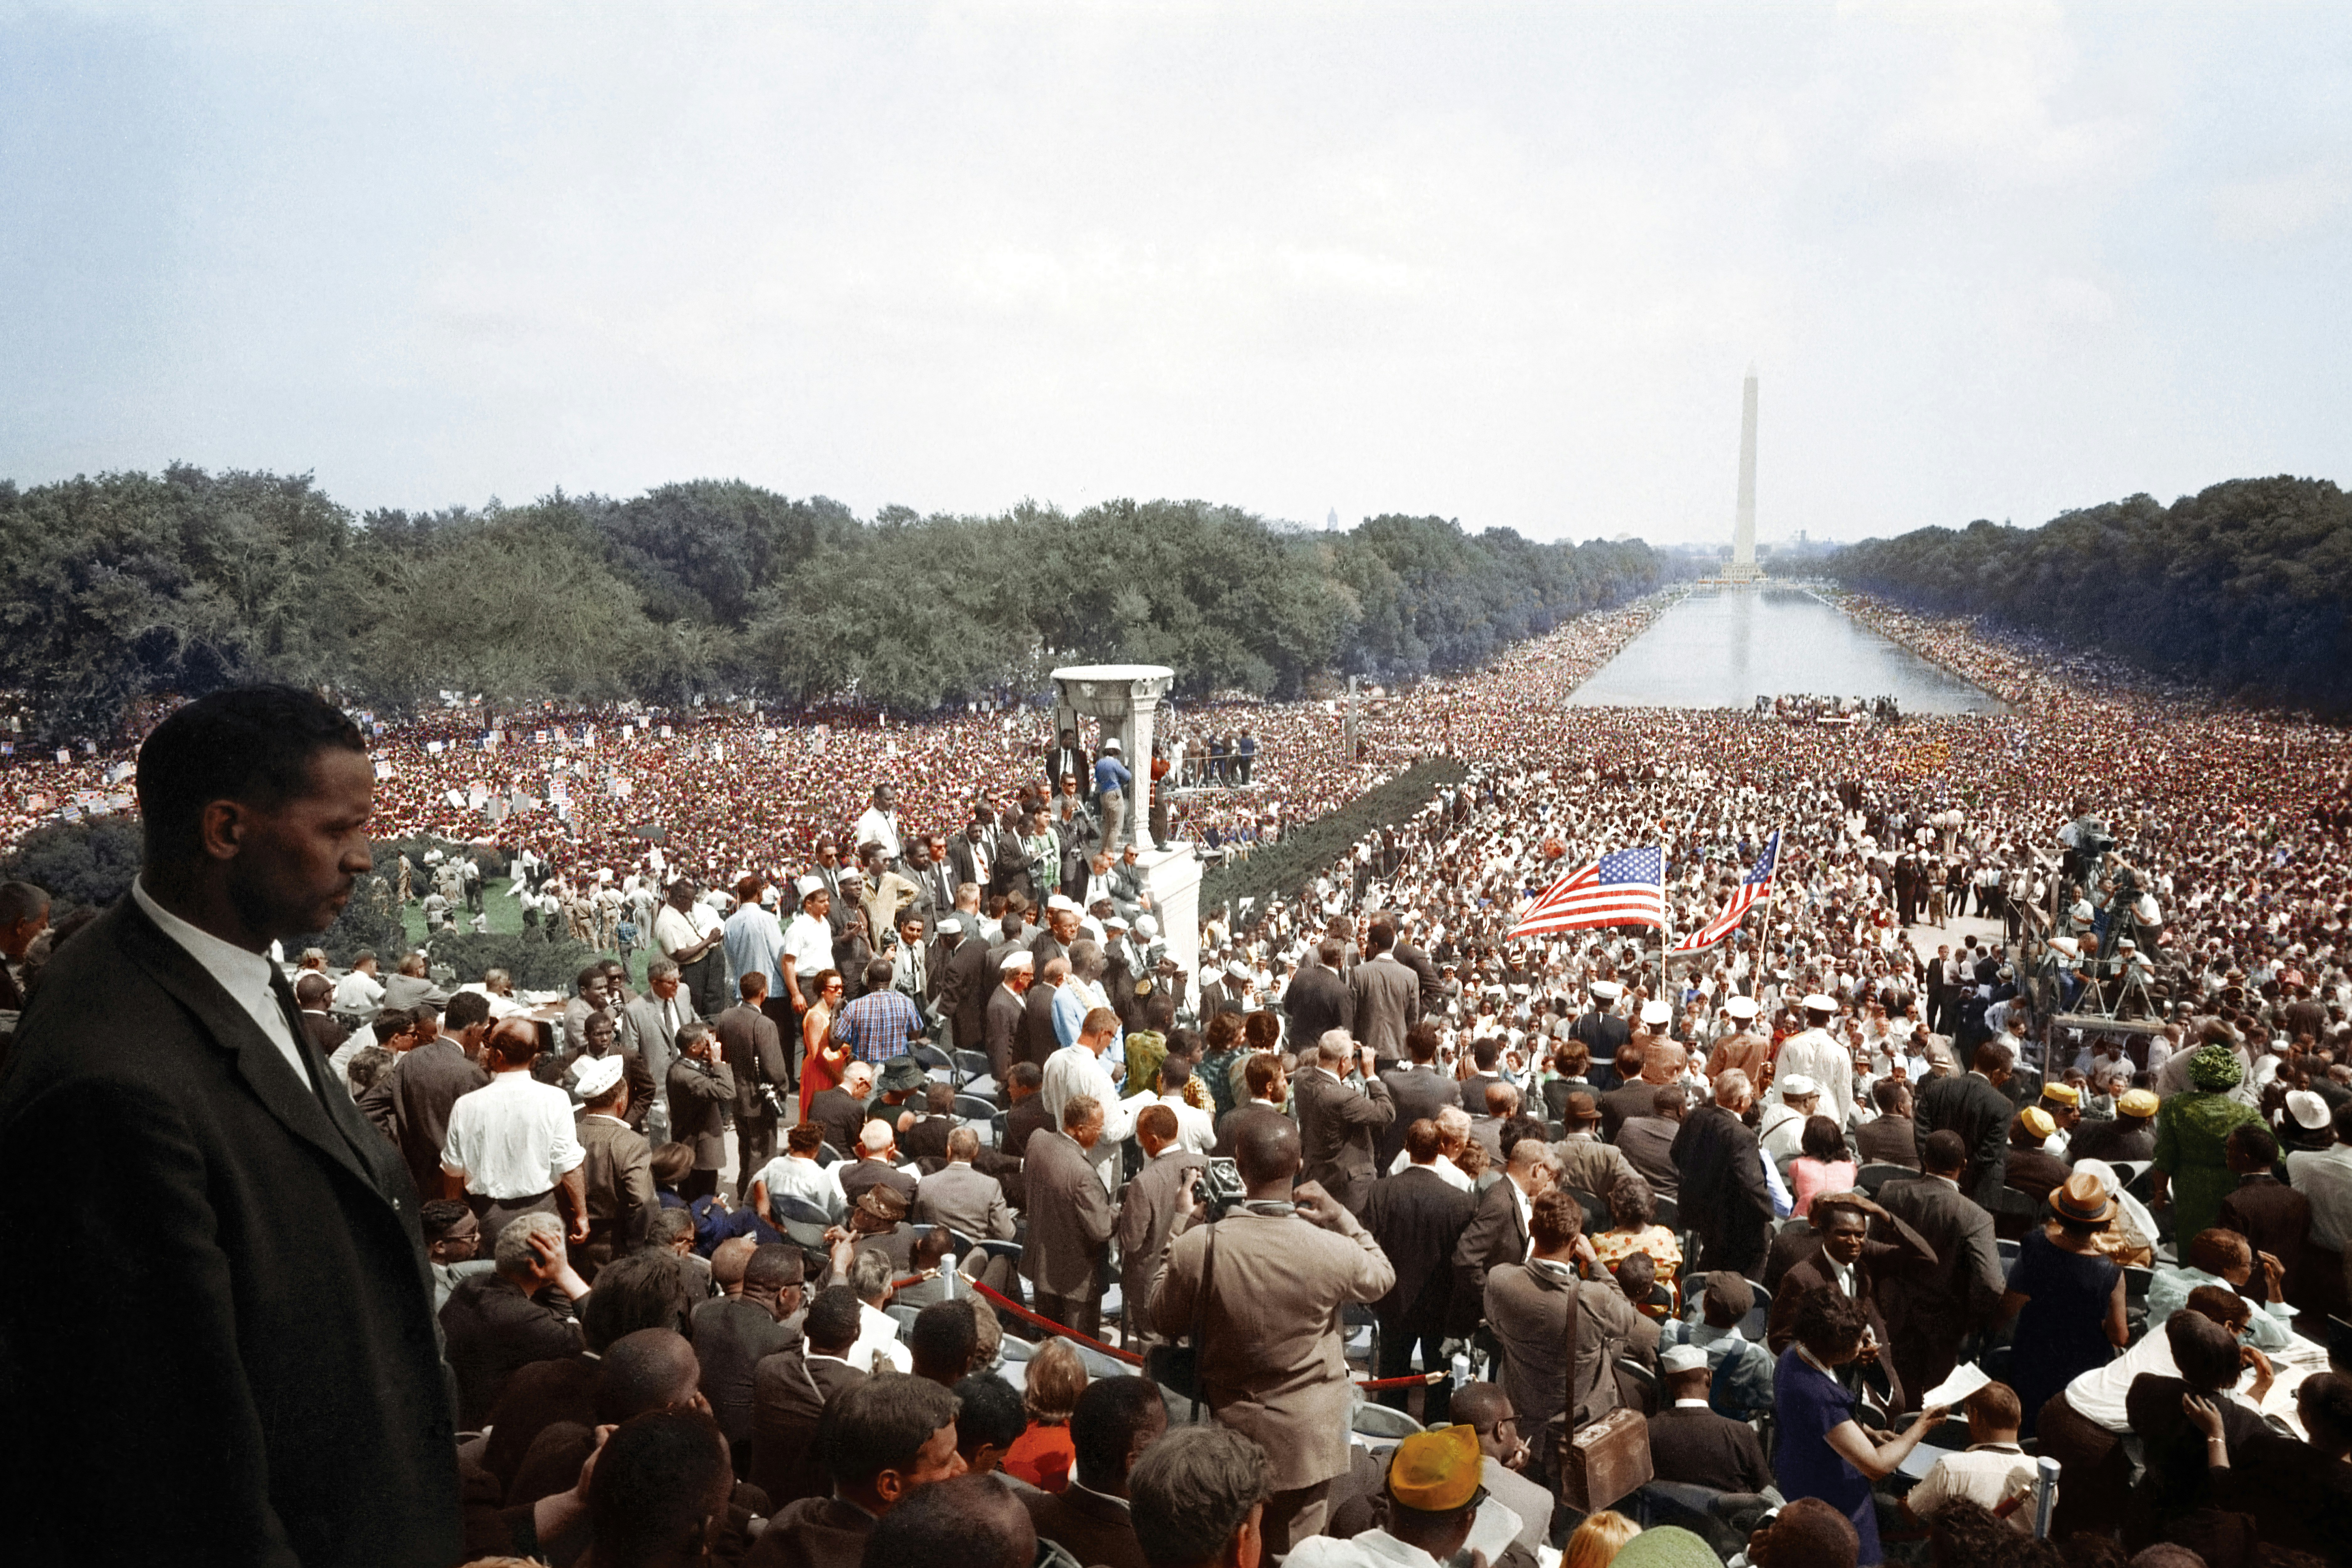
652	1369
1334	1047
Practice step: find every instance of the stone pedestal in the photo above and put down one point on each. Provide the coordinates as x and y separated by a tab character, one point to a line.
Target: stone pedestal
1173	877
1125	698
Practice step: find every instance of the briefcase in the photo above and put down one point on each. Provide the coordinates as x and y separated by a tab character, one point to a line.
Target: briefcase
1605	1461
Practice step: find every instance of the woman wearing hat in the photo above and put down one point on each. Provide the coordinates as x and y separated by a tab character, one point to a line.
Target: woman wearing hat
2191	1132
2067	1296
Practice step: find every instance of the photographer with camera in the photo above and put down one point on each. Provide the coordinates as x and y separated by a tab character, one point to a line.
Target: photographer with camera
1259	1287
753	1051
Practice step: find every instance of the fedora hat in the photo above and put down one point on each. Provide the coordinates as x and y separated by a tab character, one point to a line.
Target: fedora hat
2081	1198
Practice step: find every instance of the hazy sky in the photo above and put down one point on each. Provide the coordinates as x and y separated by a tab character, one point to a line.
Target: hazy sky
1505	264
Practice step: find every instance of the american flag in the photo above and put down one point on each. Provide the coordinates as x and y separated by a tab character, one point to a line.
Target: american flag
1624	887
1756	884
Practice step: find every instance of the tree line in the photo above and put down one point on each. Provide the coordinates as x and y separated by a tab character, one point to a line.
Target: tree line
2245	588
128	585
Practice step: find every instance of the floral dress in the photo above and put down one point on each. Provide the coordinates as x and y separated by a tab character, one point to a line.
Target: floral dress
2191	1130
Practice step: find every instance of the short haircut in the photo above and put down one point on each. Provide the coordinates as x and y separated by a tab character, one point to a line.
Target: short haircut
1991	1057
1027	1075
514	1252
1110	1416
466	1009
1995	1405
1667	1097
1483	1052
834	1318
660	969
1809	1533
875	1137
646	1369
665	1227
441	1216
1420	1141
2205	1352
1099	1020
1822	1140
881	1424
1193	1490
658	1479
643	1289
987	1411
309	990
1079	1110
367	1065
1380	938
753	985
391	1025
2223	1304
1057	1377
1159	1121
671	1163
1267	1150
583	980
1886	1094
870	1273
942	1338
24	901
1555	1220
1421	1039
963	1142
877	974
774	1267
1944	1150
254	744
1829	1322
688	1033
2218	1251
1636	1273
803	1138
969	1520
1329	951
2253	1144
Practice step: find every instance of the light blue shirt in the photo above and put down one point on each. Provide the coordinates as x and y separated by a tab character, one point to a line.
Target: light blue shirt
2169	1293
1069	1014
754	941
1781	1202
1110	773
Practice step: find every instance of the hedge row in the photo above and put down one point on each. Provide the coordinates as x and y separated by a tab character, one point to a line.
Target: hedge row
1308	852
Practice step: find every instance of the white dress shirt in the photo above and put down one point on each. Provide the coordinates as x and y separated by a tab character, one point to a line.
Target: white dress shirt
244	975
513	1137
357	992
794	1175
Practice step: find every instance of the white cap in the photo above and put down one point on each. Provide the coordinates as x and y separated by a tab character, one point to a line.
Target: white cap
1818	1003
1796	1086
1114	923
1682	1358
1238	971
2309	1111
1607	991
1111	745
1019	959
808	884
1145	926
1740	1007
1655	1012
1058	901
595	1075
950	926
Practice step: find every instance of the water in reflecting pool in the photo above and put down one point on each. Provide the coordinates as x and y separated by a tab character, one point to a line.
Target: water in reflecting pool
1724	648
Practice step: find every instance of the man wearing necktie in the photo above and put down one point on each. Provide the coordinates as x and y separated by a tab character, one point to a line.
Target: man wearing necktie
240	1190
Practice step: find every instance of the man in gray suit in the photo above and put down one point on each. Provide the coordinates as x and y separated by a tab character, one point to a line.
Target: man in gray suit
1316	999
650	1025
1148	1212
1929	1311
415	1095
1066	1258
960	1198
1338	1124
701	1087
1420	1090
1387	996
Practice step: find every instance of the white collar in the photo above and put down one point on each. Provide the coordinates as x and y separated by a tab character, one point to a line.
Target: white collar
1691	1404
208	950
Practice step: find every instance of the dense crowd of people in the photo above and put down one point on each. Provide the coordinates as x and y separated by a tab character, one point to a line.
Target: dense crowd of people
916	1204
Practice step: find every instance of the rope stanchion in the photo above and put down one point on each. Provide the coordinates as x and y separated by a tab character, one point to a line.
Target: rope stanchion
1410	1380
1050	1326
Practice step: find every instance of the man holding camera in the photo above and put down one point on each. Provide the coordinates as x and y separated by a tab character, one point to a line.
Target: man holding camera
753	1051
1343	1106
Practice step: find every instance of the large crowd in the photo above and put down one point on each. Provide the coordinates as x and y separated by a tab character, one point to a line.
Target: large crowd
1984	1199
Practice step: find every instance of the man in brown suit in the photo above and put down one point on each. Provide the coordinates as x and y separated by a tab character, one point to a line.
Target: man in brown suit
618	1173
754	1053
2273	1216
700	1089
1890	1138
1856	1267
1273	1359
1338	1123
1065	1258
1147	1211
1386	994
1527	1306
1929	1311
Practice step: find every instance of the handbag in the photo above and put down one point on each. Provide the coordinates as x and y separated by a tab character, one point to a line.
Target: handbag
1603	1462
1178	1367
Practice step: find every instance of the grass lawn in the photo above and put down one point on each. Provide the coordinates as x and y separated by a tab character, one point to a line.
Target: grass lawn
506	919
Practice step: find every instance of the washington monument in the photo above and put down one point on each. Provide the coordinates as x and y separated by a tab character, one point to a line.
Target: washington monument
1743	533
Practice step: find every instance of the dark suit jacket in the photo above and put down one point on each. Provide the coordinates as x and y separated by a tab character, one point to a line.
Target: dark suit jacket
417	1093
1495	1235
1337	1127
842	1115
230	1201
699	1094
1024	1121
1067	1251
731	1337
1698	1448
1317	1000
2032	1172
1724	1195
325	1032
754	1052
2112	1141
1930	1311
1971	1106
967	979
789	1390
1038	1039
2273	1218
1001	1032
1094	1530
1909	1252
1888	1141
1420	1093
1647	1143
1623	1104
1418	1219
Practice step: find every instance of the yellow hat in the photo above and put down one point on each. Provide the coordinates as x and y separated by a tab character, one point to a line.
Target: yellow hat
1437	1472
2037	1121
2136	1102
2064	1093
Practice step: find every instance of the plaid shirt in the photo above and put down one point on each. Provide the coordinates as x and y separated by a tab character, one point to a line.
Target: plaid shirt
879	1026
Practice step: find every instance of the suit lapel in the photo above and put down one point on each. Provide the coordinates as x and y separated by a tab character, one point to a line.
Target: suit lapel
303	1113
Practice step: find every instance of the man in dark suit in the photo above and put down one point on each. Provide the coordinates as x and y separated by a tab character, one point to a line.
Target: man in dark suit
2131	1135
1647	1141
1856	1266
1038	1040
1972	1106
1027	1117
1929	1311
1147	1211
1497	1232
841	1110
1418	1219
1117	1419
1387	996
1266	1080
1317	1000
416	1095
1006	1015
315	993
1724	1195
1889	1138
1420	1090
269	1431
972	853
1338	1123
700	1089
2273	1218
1689	1442
754	1052
2029	1172
1066	1257
960	958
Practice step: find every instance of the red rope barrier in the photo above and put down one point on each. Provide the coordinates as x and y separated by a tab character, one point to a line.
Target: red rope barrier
1051	1326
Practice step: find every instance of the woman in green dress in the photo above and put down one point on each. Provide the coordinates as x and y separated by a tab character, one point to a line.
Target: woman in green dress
2190	1129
